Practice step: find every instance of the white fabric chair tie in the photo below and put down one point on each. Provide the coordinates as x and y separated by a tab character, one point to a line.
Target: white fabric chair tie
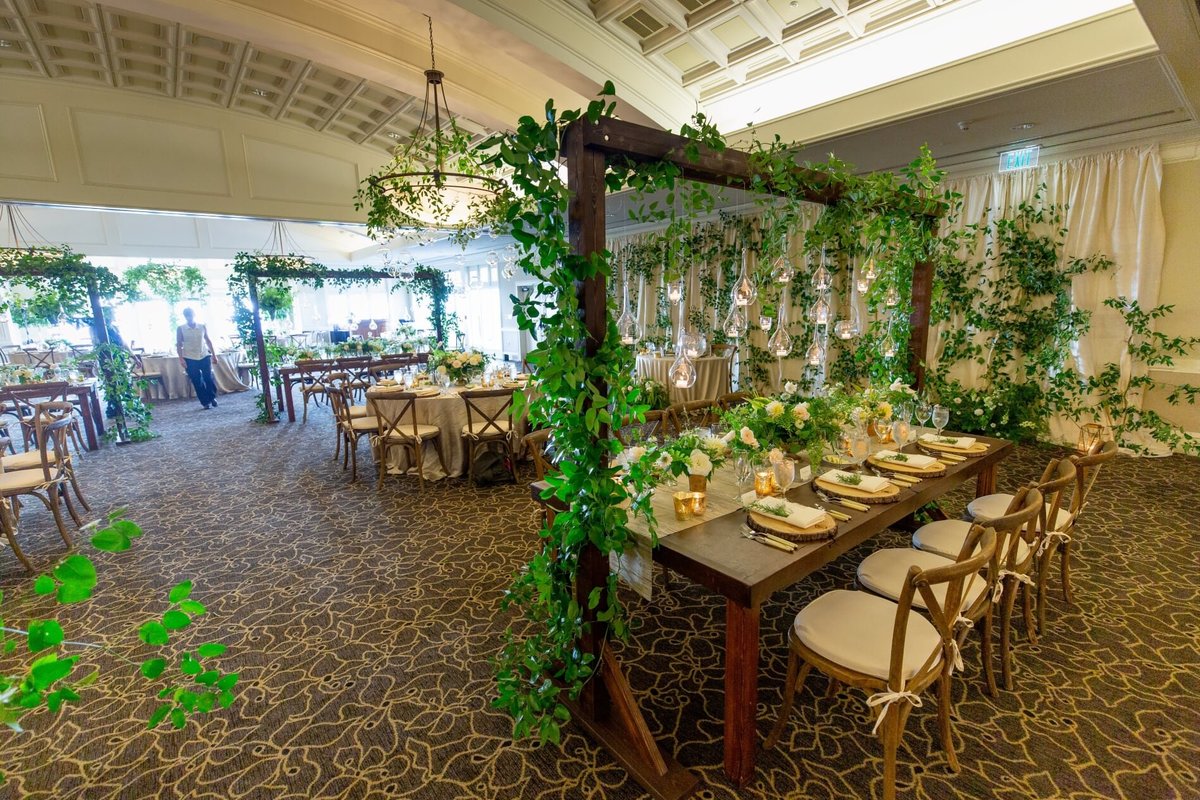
1049	538
999	590
965	622
887	699
956	660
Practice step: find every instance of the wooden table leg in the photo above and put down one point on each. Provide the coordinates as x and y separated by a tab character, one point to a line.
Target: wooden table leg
89	423
741	691
93	397
985	482
285	386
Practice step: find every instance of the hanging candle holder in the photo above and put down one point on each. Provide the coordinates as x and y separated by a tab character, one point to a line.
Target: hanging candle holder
814	354
737	324
821	312
822	279
783	271
683	372
869	268
893	297
744	291
675	291
780	343
764	322
627	327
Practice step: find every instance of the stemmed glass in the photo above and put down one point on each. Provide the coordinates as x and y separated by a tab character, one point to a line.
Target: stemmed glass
785	474
923	412
941	416
743	469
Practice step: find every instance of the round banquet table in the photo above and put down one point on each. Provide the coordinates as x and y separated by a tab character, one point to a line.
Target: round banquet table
177	385
447	411
712	376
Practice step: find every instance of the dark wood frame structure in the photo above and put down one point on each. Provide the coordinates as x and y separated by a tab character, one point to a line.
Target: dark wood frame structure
252	276
607	707
99	334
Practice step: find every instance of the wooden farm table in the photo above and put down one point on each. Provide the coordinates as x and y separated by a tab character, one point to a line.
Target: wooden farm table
714	555
86	398
289	376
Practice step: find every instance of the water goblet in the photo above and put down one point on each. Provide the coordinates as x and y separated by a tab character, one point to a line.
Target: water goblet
923	412
743	469
941	416
785	474
901	430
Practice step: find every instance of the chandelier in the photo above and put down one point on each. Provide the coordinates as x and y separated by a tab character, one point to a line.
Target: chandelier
419	189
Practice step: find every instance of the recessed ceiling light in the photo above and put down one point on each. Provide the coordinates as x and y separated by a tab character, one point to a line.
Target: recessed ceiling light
259	92
1023	126
6	43
393	135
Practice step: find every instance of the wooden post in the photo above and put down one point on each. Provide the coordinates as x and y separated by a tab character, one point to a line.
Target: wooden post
264	372
100	334
918	321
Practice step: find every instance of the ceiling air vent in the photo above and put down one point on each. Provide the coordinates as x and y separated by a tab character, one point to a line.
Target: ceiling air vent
642	23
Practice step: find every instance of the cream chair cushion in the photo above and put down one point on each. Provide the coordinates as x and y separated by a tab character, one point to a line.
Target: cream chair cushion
885	572
21	480
945	537
404	432
991	506
486	429
360	411
27	460
854	629
364	423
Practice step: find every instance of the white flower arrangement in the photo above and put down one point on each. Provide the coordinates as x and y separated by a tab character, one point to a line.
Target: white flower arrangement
775	409
459	365
699	464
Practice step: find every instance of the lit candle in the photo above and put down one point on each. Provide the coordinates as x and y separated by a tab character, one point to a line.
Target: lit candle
764	483
683	505
699	503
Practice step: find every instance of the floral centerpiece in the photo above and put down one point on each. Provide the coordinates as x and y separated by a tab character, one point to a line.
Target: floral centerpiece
653	393
461	366
787	421
690	453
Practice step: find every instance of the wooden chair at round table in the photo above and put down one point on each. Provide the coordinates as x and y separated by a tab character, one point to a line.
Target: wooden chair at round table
396	428
489	424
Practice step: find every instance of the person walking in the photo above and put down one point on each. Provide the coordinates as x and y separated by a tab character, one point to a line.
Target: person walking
196	353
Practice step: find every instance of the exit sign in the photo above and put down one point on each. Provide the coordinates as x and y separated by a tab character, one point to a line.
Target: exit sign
1025	158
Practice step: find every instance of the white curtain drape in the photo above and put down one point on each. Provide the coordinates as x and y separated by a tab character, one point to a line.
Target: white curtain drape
1113	208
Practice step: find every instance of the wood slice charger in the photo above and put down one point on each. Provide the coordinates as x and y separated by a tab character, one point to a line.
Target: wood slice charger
974	451
888	494
932	471
765	523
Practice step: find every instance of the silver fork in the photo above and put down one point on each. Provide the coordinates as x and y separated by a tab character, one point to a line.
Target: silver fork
754	536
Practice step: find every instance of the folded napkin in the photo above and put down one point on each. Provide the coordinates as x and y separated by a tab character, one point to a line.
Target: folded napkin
910	459
426	392
798	516
960	442
870	483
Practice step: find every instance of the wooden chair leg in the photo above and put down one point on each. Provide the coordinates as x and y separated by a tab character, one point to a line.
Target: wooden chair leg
352	444
1006	608
1043	580
1027	611
8	523
66	496
470	461
419	457
56	509
796	676
78	493
305	396
944	724
1068	595
380	451
892	729
986	655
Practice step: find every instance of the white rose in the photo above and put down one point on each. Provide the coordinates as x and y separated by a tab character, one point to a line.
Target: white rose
441	369
456	363
728	437
897	385
774	409
790	388
747	437
699	463
800	412
476	359
775	455
979	412
630	456
957	401
712	444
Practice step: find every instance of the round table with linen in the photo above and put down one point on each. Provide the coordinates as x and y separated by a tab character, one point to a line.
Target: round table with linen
177	385
712	376
448	412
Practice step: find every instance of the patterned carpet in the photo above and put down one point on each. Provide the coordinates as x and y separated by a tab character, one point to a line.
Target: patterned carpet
362	624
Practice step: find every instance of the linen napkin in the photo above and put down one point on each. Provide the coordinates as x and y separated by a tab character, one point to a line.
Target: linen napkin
798	516
426	392
960	442
870	483
910	459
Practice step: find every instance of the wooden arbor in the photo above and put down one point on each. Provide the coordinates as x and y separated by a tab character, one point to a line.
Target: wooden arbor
607	707
364	275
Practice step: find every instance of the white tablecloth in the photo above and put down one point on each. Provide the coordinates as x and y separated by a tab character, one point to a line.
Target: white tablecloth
176	384
712	376
449	413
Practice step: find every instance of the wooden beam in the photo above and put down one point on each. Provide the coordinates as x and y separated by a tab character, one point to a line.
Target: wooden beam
918	321
100	332
264	371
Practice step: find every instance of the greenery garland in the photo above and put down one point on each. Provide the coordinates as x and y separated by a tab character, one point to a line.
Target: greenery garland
115	368
58	289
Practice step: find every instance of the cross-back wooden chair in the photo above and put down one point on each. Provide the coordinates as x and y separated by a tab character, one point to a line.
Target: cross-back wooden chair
40	358
690	414
149	377
398	429
884	571
1060	539
489	423
540	449
869	642
350	428
313	377
21	402
388	366
47	481
358	368
651	429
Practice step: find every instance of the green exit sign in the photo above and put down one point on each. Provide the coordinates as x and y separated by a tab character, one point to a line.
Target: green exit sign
1025	158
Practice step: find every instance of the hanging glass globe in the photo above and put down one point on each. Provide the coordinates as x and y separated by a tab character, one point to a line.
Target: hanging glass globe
814	353
675	291
893	297
764	322
744	291
627	328
780	343
842	330
493	259
822	279
736	324
694	345
861	283
683	372
374	326
783	271
820	313
869	268
889	348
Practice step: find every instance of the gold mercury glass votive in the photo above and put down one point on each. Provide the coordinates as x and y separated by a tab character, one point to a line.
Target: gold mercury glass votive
683	505
764	483
699	501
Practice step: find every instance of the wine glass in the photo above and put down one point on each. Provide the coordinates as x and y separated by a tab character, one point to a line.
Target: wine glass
941	416
901	430
785	474
923	412
743	469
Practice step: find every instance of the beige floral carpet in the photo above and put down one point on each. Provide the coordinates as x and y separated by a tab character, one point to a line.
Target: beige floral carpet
363	622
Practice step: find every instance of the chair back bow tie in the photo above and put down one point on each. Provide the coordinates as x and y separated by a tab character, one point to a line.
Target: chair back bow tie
887	699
